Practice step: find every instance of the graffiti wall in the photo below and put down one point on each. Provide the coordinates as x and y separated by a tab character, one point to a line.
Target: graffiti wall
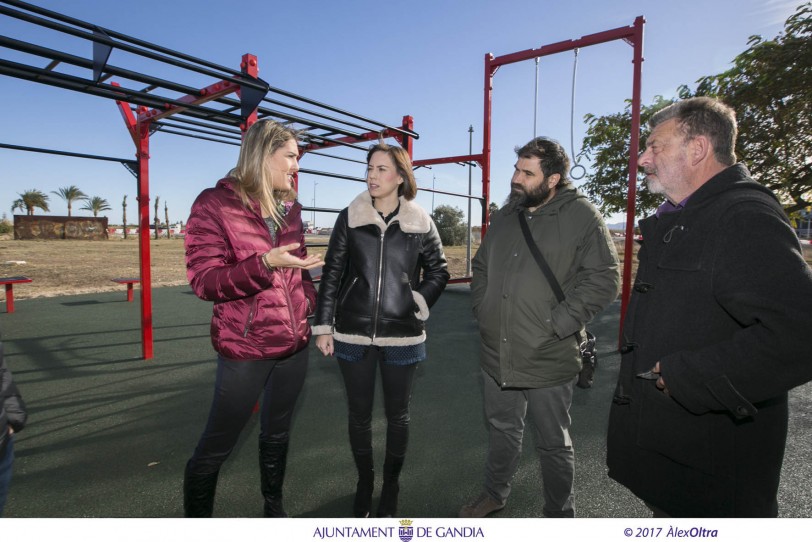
60	227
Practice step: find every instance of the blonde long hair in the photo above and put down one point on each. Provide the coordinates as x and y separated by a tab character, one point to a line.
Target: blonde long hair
254	181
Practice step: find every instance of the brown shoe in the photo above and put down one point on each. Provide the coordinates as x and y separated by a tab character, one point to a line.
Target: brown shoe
484	505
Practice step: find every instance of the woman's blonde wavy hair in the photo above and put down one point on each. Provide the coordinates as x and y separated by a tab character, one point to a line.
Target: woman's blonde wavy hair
254	181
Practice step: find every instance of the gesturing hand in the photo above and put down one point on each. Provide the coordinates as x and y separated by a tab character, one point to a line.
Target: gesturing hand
281	257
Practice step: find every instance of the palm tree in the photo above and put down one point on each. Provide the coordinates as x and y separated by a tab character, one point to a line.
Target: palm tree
30	200
70	194
124	214
96	205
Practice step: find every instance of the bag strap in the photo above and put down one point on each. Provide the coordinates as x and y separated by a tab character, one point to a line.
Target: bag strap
545	268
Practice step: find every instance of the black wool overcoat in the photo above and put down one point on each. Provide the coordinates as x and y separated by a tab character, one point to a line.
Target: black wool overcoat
723	300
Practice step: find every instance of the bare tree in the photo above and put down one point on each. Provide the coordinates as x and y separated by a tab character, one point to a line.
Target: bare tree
166	216
124	214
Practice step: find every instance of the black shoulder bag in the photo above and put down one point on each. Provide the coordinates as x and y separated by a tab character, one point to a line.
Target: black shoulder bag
589	359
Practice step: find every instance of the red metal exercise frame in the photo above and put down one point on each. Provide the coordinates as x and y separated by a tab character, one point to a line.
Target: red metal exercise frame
633	35
630	34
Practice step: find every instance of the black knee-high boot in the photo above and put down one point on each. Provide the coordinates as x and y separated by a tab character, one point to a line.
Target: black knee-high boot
362	505
392	466
273	457
198	493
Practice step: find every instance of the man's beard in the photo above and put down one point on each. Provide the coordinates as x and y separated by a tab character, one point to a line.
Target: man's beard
521	198
653	182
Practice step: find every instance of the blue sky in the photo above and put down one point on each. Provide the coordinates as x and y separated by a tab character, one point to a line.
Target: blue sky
381	60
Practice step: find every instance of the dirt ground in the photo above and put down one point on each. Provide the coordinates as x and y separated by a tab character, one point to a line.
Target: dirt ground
66	267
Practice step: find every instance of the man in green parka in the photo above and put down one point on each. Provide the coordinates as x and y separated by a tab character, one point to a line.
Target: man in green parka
529	355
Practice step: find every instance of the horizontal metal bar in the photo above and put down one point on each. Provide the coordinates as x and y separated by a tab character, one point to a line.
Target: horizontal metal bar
332	142
435	191
336	157
184	134
369	136
625	32
306	122
67	153
409	133
204	67
21	71
81	62
226	129
115	92
449	160
237	136
321	209
321	115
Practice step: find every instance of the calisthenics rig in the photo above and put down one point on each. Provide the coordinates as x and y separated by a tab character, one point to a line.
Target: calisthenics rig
221	111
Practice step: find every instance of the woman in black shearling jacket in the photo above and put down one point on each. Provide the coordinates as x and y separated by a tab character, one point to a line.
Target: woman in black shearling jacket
383	270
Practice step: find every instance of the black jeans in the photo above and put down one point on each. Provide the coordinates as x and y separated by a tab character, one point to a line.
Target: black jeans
236	389
359	379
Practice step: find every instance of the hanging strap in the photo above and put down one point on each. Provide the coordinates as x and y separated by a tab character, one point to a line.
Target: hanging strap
542	263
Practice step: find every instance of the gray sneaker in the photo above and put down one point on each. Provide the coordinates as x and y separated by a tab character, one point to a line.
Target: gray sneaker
482	506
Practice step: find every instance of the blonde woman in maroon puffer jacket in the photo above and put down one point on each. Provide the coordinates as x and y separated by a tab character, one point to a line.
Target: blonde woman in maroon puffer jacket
245	252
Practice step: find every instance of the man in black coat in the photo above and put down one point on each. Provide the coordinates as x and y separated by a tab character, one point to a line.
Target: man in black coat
715	334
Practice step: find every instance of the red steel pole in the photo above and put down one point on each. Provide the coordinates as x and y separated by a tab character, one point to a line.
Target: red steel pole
143	239
406	141
250	66
634	150
139	130
486	142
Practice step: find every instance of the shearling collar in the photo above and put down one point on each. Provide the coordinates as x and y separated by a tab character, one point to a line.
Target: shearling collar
411	217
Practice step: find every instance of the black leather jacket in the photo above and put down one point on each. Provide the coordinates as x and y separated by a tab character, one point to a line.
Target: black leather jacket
371	290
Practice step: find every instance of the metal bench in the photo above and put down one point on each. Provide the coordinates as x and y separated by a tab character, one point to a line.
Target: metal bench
9	282
129	283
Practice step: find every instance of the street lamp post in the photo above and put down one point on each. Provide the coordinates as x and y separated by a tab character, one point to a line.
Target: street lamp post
432	193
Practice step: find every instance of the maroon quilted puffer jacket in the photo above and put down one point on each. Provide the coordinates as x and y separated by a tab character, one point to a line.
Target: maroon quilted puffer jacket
258	313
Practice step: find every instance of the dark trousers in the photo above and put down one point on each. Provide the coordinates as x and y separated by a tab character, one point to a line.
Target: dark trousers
549	408
237	387
359	379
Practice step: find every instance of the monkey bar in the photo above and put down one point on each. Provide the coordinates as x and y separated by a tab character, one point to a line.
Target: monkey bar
210	113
